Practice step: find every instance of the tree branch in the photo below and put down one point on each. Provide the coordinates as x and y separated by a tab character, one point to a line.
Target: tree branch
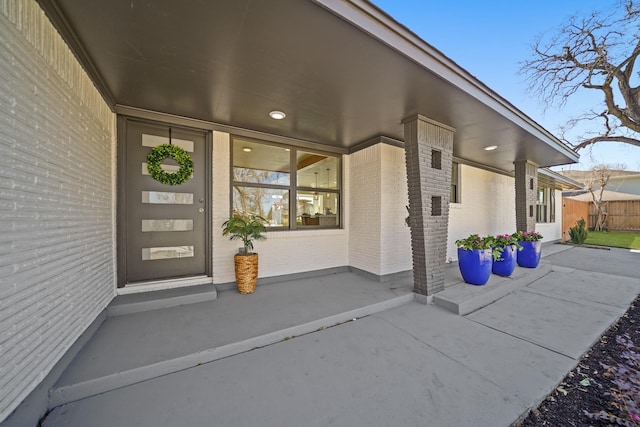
593	140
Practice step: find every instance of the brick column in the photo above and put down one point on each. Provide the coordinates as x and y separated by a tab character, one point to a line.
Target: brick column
526	194
428	149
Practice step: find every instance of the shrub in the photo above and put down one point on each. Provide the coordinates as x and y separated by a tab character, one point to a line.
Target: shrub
578	233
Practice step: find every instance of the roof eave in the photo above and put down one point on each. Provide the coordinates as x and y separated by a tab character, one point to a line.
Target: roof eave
379	25
558	180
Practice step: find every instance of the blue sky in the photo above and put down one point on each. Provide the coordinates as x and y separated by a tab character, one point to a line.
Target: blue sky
490	38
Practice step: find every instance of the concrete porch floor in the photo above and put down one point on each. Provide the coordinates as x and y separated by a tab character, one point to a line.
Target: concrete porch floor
134	347
185	365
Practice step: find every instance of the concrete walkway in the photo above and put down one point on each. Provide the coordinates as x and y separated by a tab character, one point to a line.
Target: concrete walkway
403	363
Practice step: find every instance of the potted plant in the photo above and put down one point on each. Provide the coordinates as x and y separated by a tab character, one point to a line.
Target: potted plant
529	256
475	258
507	246
246	229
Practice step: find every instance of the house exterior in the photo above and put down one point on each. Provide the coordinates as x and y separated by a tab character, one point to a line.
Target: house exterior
620	181
626	184
376	122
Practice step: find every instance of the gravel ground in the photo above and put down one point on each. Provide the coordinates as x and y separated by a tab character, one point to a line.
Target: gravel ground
590	387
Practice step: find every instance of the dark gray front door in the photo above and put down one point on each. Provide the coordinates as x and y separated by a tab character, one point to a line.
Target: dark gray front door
165	224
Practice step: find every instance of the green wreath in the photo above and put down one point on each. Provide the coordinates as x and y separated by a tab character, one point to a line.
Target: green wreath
161	152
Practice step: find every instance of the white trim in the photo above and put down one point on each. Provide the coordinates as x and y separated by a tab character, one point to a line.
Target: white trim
159	285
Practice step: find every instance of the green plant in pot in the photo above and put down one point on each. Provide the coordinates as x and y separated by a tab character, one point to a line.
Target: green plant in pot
475	258
531	242
506	245
246	229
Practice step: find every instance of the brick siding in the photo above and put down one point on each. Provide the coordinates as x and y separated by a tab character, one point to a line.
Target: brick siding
526	195
56	200
426	183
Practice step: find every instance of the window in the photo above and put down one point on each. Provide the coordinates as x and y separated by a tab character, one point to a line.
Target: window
541	205
546	205
283	182
455	186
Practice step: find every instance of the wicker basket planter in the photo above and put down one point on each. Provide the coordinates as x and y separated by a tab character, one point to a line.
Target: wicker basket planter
246	266
246	229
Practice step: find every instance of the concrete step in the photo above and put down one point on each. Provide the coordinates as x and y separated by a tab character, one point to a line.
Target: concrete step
462	298
154	300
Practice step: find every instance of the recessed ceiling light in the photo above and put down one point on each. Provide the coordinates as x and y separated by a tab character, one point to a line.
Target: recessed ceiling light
490	147
277	115
246	149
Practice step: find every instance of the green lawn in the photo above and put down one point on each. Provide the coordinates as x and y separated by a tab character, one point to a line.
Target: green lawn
615	239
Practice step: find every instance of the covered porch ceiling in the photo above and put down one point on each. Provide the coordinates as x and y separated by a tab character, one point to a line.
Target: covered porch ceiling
344	73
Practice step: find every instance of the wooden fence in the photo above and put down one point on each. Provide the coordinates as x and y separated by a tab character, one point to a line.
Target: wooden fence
572	211
621	215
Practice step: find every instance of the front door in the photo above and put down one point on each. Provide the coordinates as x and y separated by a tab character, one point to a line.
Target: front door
166	230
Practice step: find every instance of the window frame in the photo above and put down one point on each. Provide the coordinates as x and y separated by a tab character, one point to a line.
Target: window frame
293	187
455	186
549	205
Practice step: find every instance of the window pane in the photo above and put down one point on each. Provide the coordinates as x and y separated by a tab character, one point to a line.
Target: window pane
541	208
541	213
168	198
154	141
317	170
150	254
166	225
260	163
317	209
454	183
271	204
454	173
542	195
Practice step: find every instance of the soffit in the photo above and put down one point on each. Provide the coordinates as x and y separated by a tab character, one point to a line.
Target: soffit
549	178
230	62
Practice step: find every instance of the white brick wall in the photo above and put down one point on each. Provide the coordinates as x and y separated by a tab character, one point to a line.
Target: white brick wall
365	175
394	234
488	206
222	263
379	241
552	230
375	238
56	200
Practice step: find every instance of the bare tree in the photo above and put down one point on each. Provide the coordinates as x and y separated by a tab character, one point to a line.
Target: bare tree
594	53
596	182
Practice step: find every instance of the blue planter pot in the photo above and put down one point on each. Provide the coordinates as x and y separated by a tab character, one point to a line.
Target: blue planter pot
475	265
507	262
529	256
